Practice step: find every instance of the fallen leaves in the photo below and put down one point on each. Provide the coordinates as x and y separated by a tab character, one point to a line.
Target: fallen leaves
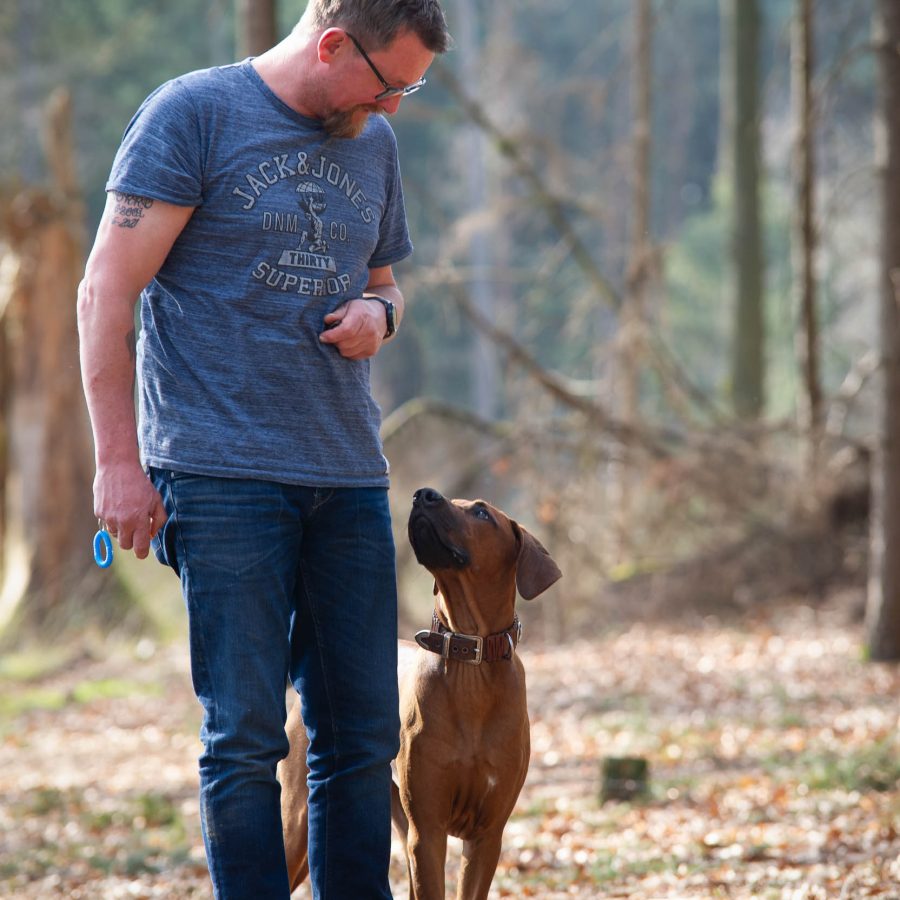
773	755
774	759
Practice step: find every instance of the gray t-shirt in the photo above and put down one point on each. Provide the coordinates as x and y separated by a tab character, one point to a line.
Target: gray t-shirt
233	379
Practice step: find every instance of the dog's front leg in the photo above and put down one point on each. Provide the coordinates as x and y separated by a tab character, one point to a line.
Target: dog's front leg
294	797
426	854
479	861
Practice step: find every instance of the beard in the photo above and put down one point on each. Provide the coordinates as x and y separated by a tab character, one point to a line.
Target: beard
348	123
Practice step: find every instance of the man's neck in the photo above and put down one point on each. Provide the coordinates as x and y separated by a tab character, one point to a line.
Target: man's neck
287	72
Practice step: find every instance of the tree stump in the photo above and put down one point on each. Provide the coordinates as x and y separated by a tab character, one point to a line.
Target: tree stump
624	778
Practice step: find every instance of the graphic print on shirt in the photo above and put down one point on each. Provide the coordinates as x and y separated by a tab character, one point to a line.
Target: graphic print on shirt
312	228
312	244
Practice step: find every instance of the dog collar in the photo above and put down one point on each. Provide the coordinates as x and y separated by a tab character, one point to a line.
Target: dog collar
470	648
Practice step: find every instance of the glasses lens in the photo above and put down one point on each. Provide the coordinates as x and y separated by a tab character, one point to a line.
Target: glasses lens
400	91
413	87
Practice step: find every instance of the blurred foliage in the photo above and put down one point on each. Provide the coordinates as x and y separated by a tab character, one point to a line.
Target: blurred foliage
554	80
111	55
699	321
554	77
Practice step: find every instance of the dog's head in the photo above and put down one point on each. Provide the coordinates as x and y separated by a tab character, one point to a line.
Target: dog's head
471	535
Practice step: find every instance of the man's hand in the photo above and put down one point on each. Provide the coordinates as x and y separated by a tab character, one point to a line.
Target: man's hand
356	328
129	505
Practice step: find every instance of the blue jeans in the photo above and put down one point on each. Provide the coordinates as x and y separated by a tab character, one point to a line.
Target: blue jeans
282	581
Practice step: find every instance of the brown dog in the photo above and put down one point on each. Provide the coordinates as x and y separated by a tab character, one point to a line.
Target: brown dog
464	738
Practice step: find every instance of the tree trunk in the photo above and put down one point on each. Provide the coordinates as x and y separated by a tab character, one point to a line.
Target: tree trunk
257	27
48	572
746	246
485	383
883	609
724	149
5	398
804	228
634	313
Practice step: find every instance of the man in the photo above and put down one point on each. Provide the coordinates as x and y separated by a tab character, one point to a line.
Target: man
257	210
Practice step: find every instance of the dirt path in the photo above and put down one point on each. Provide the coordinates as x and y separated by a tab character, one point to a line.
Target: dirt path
774	755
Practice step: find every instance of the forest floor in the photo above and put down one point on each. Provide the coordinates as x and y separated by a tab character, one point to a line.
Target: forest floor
773	751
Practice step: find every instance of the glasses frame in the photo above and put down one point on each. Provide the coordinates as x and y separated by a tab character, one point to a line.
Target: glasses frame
389	89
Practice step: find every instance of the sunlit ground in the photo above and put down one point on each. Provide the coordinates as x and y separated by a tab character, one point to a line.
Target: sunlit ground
773	751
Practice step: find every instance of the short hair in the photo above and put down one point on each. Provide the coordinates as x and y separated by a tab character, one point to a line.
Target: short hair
379	21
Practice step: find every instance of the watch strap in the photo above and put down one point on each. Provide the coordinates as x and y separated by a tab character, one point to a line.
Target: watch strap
389	313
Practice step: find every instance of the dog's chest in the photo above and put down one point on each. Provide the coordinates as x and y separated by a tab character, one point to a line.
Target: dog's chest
480	802
478	755
483	783
479	716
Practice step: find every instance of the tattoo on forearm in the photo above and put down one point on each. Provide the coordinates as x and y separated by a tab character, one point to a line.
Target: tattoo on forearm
129	209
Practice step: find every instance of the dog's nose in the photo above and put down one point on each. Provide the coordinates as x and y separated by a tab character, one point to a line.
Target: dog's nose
427	497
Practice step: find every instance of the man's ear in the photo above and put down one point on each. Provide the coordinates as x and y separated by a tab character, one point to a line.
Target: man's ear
535	569
330	42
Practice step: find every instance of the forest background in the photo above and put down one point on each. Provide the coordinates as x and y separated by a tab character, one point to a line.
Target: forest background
649	311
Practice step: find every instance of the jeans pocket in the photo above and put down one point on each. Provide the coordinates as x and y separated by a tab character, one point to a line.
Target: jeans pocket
172	476
165	543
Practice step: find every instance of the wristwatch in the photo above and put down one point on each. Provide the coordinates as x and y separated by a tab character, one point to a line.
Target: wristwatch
388	312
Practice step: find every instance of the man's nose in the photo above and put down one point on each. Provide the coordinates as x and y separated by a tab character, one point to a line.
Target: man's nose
390	105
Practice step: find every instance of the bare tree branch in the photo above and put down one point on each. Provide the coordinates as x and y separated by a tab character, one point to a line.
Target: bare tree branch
556	385
552	205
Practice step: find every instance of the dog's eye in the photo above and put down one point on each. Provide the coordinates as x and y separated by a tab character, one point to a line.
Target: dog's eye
482	513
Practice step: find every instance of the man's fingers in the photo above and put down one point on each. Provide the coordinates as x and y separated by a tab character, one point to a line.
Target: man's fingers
352	337
138	537
142	544
360	347
158	517
125	539
337	330
333	321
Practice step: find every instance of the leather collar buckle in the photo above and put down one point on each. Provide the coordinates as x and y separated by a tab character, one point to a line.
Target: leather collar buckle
465	648
461	650
473	649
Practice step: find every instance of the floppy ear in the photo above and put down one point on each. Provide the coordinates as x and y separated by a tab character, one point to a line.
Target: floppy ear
535	569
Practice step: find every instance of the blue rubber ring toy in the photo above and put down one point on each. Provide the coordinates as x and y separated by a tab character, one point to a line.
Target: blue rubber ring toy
103	549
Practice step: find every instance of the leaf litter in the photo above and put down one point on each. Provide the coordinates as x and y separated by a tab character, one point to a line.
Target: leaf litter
772	746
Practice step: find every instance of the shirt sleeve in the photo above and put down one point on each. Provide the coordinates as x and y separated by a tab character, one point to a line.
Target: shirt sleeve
160	155
394	243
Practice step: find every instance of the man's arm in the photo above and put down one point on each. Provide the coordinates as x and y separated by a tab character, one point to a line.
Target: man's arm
134	238
362	327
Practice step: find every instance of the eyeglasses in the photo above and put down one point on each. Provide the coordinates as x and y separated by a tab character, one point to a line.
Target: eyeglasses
389	90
